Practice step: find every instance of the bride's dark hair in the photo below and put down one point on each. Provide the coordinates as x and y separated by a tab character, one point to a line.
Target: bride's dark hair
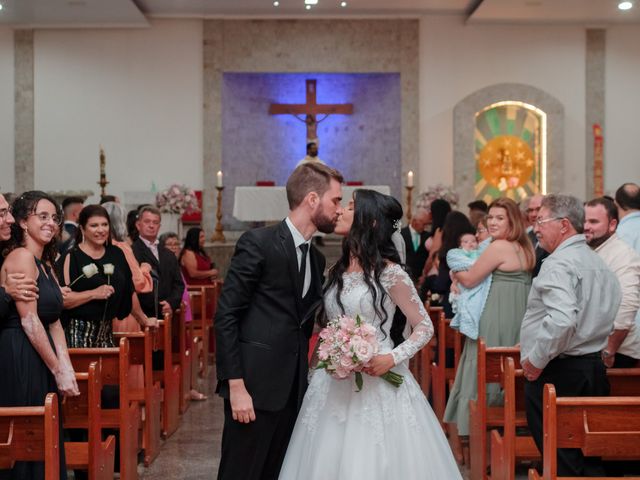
369	242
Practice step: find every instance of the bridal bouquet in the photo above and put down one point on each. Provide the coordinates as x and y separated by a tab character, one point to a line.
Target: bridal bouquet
177	199
347	346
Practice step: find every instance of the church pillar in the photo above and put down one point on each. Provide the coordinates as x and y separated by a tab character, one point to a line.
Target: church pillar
595	101
212	118
23	111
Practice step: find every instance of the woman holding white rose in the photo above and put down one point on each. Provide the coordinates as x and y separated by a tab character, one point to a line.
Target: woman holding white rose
98	283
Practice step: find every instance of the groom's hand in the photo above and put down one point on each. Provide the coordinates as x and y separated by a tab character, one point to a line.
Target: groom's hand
241	402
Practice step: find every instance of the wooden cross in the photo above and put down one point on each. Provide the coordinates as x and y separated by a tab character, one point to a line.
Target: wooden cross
310	110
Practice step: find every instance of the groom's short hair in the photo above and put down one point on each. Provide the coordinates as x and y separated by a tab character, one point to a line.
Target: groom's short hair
309	177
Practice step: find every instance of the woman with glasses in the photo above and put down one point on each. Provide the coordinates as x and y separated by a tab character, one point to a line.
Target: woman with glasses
98	282
509	260
33	352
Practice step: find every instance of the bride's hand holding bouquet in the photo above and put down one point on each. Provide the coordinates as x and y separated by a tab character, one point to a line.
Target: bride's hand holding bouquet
349	346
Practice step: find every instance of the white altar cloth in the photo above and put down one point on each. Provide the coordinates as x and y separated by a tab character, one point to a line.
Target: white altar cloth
268	204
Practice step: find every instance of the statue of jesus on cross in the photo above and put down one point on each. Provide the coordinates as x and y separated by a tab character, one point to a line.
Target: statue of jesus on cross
310	110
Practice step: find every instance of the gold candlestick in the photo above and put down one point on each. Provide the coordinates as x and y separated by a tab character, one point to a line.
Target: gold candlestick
409	191
218	236
103	173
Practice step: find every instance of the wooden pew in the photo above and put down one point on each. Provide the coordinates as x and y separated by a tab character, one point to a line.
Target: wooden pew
84	412
115	371
204	309
482	417
183	356
441	376
606	427
31	434
508	449
148	393
169	378
201	327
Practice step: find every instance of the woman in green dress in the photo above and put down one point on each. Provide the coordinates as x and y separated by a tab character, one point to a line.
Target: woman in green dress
509	259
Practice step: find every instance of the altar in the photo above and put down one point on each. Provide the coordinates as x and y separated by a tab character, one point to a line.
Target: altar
269	204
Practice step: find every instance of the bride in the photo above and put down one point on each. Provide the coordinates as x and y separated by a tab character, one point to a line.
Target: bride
381	432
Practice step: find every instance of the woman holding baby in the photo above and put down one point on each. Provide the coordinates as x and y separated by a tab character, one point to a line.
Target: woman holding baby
508	260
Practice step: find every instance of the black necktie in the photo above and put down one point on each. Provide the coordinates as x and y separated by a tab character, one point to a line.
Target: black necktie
304	248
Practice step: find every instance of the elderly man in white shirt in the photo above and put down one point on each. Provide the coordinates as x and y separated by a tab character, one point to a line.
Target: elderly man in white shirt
570	312
601	221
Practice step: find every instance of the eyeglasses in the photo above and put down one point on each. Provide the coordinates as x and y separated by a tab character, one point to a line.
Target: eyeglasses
541	221
4	212
46	217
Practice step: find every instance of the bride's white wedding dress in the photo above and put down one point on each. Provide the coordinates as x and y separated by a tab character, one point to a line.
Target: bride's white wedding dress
381	432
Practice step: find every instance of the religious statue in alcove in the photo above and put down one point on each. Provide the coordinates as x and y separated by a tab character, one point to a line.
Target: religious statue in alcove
509	146
308	112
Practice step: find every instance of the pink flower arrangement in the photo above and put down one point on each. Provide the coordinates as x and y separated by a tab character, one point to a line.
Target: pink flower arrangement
444	192
347	346
177	199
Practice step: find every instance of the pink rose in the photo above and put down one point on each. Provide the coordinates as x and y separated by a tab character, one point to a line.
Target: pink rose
363	350
347	323
346	362
340	372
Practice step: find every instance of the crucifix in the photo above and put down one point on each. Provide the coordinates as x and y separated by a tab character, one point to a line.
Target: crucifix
310	110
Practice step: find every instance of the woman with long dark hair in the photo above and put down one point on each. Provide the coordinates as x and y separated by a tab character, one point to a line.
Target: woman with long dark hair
99	282
455	225
34	359
380	432
196	265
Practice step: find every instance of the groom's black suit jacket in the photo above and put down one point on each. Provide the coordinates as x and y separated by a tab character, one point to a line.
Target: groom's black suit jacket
262	323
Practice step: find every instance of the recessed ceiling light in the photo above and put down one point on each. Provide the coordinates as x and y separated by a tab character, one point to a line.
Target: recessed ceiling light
276	3
625	5
308	7
343	4
311	2
0	6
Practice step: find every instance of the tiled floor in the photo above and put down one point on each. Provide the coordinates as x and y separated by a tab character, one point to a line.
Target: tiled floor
193	452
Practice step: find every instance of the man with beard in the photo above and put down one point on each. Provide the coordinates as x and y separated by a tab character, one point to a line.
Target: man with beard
263	324
15	286
533	207
601	220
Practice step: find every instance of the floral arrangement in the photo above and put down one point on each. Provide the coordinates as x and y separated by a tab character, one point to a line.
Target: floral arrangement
438	191
177	199
347	346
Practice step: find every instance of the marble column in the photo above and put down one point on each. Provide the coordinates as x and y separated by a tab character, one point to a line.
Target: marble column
595	101
23	111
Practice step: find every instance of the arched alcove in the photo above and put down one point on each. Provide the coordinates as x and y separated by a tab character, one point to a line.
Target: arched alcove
464	125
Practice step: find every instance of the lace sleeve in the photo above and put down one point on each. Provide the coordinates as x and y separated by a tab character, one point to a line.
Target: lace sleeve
400	288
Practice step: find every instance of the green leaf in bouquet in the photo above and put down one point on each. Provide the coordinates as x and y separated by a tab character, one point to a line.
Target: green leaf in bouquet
359	381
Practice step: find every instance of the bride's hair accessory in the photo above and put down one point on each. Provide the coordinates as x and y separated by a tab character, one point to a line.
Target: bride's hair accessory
397	225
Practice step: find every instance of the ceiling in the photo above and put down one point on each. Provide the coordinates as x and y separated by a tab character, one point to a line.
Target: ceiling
136	13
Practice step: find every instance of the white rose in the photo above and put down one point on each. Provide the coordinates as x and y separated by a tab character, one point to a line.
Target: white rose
108	268
89	270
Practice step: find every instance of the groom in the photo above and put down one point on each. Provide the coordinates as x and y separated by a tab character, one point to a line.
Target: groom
263	324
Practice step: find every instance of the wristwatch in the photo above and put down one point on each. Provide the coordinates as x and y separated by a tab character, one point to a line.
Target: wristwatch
606	354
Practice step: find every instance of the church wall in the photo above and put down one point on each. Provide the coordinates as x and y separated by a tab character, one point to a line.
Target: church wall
6	110
136	92
457	60
622	100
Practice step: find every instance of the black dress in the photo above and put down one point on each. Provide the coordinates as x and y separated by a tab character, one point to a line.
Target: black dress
25	379
90	325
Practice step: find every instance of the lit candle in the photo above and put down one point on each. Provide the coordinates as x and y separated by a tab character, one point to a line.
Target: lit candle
103	163
410	179
219	178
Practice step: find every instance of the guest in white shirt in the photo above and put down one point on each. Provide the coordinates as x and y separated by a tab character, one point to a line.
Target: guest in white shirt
570	312
628	203
601	220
